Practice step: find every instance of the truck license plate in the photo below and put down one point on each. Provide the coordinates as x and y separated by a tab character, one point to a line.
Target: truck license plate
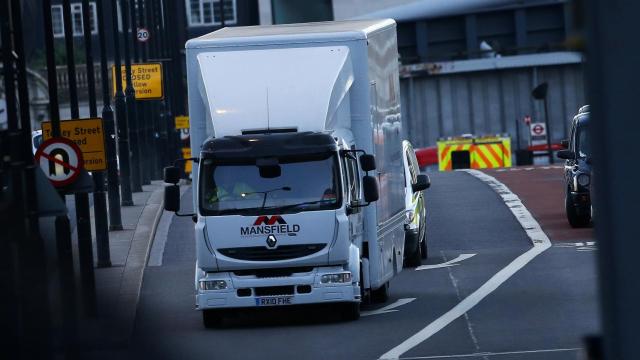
274	301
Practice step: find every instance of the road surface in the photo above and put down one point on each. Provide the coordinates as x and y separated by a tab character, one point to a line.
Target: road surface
540	312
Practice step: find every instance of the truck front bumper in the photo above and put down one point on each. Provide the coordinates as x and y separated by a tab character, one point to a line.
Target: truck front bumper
300	288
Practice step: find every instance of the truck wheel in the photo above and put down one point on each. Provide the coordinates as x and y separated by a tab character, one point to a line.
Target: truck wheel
414	258
350	311
576	219
424	250
381	294
211	318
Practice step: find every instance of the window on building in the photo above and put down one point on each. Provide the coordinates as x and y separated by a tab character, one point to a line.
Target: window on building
207	12
77	25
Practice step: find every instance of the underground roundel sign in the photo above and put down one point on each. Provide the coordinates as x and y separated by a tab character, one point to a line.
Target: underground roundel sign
60	160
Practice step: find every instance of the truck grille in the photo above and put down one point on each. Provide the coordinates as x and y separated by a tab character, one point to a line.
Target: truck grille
274	290
277	272
261	253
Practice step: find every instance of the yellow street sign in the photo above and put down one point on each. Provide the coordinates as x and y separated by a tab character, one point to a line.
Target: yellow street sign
146	78
182	122
186	154
88	134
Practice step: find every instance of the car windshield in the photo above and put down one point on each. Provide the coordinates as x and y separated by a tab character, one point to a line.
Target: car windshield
583	143
242	188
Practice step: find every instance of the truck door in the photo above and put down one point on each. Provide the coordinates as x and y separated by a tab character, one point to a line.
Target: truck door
356	219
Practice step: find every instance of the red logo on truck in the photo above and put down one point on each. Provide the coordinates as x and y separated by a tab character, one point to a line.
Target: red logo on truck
266	220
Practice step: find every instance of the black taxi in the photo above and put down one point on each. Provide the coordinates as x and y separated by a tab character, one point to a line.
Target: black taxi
577	170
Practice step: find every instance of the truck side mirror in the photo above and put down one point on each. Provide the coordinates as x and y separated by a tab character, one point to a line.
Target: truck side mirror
367	162
370	188
172	174
566	154
564	143
422	183
172	198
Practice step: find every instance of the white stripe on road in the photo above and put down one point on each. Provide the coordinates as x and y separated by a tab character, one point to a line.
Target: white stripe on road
162	233
493	354
389	308
540	243
452	262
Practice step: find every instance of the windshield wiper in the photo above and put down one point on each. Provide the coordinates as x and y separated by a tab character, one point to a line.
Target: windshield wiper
285	207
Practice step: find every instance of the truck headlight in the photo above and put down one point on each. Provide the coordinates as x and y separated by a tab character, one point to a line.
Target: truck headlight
336	278
584	179
213	284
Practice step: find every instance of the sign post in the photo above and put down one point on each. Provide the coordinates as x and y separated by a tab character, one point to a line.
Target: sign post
60	159
88	135
146	78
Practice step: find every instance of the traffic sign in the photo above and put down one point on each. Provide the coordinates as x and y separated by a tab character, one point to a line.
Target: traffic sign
143	35
182	122
146	78
186	154
538	129
60	160
88	134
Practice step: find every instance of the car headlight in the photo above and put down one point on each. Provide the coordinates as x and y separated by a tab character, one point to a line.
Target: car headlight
213	284
336	278
584	180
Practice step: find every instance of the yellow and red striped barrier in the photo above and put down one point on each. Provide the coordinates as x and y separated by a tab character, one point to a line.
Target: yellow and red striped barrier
483	153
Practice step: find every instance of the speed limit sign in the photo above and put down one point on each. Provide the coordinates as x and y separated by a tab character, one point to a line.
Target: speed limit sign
143	35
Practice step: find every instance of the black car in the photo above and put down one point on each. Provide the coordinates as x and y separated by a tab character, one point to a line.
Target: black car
577	171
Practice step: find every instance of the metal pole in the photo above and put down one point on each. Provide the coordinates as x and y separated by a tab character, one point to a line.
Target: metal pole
85	249
130	93
121	115
63	228
221	3
115	216
166	122
146	135
546	123
136	23
154	105
33	259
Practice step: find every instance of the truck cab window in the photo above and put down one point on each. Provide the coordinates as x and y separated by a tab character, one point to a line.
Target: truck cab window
239	188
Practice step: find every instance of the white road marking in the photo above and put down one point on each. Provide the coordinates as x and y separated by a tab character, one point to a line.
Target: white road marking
493	354
389	308
540	243
453	262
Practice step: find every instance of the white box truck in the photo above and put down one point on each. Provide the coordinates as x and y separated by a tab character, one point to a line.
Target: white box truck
286	121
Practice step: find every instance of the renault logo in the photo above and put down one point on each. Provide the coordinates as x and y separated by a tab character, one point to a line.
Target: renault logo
271	241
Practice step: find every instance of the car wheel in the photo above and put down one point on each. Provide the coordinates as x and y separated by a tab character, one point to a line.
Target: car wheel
350	311
576	219
381	294
212	318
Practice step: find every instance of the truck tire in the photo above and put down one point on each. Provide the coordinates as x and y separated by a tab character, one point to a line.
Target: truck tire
211	318
424	250
350	311
381	294
576	219
415	256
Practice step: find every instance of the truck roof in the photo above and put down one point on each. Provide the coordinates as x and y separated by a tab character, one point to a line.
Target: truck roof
304	32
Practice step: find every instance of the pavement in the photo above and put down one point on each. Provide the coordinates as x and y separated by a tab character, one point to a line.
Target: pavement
118	286
488	291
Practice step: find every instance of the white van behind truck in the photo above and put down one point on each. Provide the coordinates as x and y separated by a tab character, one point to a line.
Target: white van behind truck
298	188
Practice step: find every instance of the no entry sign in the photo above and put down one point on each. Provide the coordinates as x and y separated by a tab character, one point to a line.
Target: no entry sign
60	160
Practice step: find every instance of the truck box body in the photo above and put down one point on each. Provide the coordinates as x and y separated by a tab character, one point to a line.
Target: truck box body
302	87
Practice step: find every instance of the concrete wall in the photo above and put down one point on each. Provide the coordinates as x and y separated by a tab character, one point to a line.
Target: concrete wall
489	102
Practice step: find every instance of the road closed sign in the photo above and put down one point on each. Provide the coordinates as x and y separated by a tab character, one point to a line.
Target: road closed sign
146	78
60	159
88	135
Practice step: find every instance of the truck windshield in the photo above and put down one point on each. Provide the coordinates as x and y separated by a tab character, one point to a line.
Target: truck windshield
239	188
583	144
